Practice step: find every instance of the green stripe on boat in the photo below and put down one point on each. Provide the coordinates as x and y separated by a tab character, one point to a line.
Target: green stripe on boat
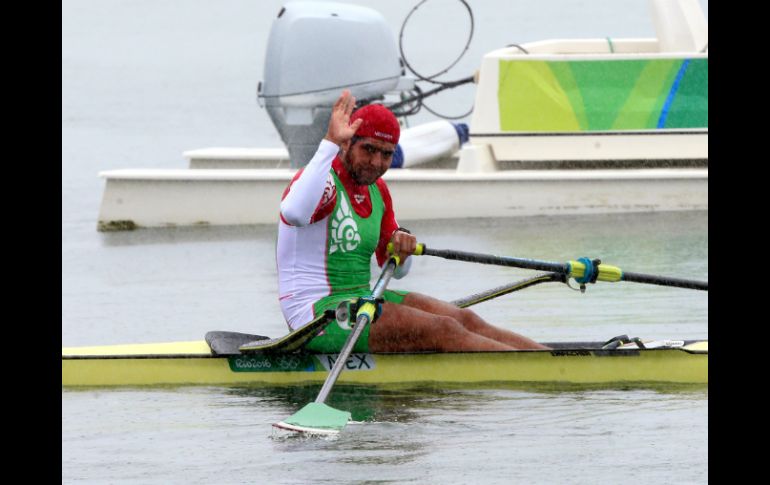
601	95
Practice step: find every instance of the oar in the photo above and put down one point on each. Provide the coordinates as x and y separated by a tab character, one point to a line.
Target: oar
317	417
583	270
509	288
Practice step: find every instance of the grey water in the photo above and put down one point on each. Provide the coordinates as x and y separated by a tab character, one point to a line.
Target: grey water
143	81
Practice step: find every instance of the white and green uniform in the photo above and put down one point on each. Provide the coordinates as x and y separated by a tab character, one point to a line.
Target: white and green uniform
325	246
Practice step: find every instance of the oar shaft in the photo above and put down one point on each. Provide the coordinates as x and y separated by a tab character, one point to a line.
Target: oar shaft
331	379
365	315
665	281
497	260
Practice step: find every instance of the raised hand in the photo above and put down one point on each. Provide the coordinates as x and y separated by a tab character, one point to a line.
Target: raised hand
340	130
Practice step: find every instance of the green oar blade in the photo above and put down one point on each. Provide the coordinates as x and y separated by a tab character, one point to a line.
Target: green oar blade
316	418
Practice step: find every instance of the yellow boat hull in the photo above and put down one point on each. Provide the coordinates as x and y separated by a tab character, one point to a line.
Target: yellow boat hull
192	363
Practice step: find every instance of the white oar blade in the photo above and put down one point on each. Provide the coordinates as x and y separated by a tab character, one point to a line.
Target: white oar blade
316	418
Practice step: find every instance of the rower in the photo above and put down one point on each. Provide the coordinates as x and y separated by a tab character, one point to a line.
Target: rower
335	214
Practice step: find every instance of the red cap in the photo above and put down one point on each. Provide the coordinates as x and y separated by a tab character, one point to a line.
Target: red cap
379	122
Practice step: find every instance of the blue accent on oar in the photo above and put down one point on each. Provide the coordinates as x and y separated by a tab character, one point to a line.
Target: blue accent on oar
672	94
589	272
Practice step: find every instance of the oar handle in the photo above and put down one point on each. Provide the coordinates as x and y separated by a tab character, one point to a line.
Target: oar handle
420	249
393	254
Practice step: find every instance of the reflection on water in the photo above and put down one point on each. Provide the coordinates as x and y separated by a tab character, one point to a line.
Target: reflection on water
405	428
405	434
406	403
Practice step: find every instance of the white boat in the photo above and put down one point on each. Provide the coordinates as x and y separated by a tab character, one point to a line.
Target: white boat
566	126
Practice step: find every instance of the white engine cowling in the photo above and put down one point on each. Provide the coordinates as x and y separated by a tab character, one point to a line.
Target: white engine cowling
314	51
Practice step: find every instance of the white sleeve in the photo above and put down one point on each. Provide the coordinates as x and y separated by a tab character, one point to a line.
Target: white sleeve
299	205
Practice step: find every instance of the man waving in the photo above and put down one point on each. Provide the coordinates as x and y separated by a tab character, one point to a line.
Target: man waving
335	214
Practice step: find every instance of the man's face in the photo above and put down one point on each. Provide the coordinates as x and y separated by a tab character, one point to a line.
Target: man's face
367	159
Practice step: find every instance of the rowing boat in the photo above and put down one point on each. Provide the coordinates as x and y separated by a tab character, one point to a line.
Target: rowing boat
195	363
238	358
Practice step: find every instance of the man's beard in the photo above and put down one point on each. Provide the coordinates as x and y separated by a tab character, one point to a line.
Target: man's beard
358	178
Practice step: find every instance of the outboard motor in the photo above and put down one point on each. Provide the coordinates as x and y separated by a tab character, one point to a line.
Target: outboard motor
314	51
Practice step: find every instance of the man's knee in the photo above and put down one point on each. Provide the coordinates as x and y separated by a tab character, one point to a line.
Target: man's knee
446	325
469	319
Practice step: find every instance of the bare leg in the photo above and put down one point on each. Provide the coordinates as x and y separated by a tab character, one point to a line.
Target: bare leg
423	323
471	321
405	329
